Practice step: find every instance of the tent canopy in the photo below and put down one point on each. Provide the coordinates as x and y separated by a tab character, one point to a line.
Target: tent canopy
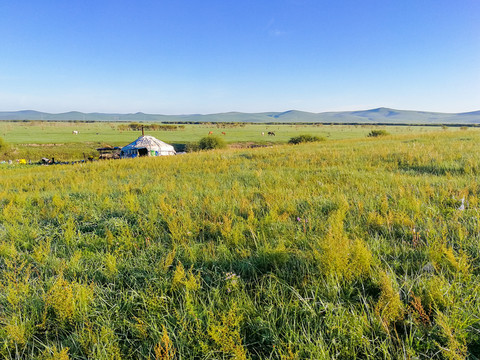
147	145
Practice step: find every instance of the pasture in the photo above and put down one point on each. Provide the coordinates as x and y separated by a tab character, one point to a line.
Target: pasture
34	139
359	248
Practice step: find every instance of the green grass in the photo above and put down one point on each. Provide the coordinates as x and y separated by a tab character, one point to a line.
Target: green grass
34	140
341	249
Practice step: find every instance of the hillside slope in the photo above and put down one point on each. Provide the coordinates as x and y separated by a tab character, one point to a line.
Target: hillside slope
380	115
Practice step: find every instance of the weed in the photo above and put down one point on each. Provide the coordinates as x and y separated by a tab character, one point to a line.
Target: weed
164	350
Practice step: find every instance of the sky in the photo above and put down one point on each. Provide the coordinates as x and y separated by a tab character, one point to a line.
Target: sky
211	56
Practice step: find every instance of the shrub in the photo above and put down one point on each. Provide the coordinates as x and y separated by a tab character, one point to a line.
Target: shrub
151	127
376	133
211	142
305	138
192	147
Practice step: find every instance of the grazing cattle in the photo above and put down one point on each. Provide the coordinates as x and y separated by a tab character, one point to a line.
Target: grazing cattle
210	132
271	133
263	134
75	132
223	133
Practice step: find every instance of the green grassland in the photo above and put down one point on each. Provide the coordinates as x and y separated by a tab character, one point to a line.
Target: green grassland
347	249
33	140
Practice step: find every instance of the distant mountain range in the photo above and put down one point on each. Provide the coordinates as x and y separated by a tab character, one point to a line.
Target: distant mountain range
378	116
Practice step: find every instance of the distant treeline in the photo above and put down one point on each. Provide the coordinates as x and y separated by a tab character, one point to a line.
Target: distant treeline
167	125
221	124
242	124
51	121
151	127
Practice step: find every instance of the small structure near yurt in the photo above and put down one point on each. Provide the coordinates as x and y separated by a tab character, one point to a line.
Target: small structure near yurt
146	145
109	152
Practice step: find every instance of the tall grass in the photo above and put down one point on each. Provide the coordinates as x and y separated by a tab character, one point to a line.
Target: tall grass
343	249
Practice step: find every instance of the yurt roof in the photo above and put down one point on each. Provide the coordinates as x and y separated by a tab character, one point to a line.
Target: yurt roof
148	142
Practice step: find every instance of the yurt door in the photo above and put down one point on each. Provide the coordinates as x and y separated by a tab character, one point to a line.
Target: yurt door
143	152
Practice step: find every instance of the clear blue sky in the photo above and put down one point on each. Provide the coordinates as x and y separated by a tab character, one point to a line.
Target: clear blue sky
192	56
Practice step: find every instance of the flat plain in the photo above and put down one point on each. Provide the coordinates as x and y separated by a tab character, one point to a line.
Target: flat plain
33	140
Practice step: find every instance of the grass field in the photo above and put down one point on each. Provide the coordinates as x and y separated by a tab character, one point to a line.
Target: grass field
34	140
347	249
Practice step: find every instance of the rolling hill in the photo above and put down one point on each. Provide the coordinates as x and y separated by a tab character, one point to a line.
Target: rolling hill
379	115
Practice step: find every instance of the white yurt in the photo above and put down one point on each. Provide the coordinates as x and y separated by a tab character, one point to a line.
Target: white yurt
146	145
